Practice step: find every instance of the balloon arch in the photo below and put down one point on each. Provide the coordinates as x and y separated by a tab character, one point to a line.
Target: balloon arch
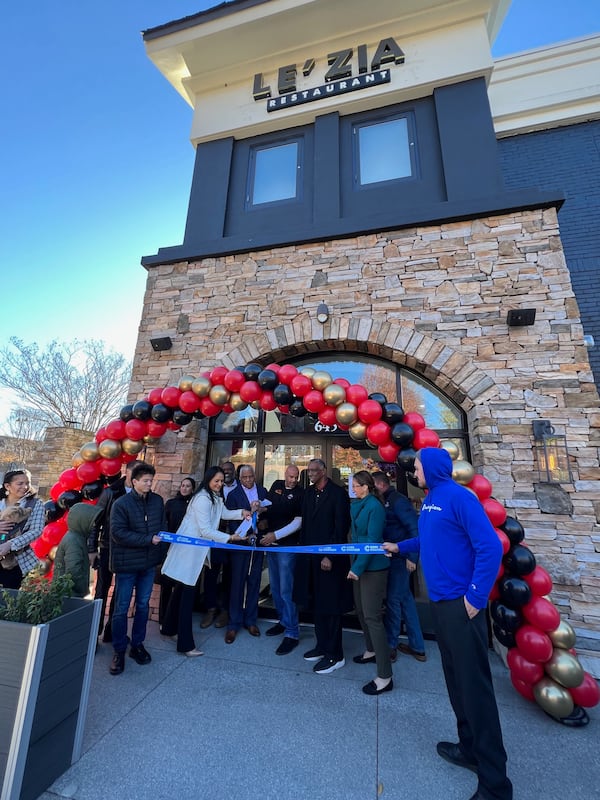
543	663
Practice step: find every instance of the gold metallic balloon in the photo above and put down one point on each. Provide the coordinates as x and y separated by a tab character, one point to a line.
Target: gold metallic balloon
132	446
358	431
564	636
109	448
201	387
463	472
77	460
308	371
320	379
45	566
346	414
185	383
451	448
553	698
334	394
151	440
236	402
219	395
255	404
52	552
565	668
89	451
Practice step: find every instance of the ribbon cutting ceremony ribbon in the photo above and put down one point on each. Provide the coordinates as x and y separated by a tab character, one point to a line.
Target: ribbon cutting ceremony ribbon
323	549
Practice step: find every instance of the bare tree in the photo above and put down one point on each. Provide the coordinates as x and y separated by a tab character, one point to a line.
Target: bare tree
68	383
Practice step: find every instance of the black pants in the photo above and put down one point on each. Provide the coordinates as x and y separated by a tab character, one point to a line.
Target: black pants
328	632
103	582
11	578
463	646
219	560
178	616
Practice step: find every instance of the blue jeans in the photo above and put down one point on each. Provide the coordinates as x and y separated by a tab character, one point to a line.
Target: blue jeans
281	578
400	602
125	582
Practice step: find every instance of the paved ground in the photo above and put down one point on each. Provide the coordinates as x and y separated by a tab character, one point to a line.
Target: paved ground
243	723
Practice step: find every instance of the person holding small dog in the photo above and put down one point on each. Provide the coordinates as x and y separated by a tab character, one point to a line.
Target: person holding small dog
16	556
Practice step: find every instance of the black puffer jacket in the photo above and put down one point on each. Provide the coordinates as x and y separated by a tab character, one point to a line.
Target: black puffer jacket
134	520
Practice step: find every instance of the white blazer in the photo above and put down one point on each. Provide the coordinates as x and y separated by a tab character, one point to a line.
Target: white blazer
184	562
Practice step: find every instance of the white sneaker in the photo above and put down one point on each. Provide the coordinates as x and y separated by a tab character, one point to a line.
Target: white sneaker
327	665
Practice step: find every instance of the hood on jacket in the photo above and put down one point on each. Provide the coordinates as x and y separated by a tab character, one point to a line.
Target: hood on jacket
81	517
437	465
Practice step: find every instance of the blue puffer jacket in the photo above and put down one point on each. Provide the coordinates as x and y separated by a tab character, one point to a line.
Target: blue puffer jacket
134	520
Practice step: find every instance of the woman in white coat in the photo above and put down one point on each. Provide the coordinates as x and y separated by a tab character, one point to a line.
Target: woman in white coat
184	562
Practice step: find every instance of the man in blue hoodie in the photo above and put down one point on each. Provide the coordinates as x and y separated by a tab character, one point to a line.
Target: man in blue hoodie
460	556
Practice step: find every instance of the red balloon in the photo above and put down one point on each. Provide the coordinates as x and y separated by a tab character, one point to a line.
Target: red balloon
415	420
136	429
110	466
494	593
541	613
217	375
528	671
327	416
249	392
342	382
233	380
481	486
208	408
155	396
378	432
101	435
539	581
587	694
54	531
313	401
388	452
301	385
501	571
189	402
170	396
287	373
357	394
524	689
274	368
125	458
40	547
534	644
173	426
69	479
156	429
56	491
369	411
116	430
495	511
267	401
424	437
505	541
88	471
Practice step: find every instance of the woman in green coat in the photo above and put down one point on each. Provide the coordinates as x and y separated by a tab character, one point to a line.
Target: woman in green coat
72	554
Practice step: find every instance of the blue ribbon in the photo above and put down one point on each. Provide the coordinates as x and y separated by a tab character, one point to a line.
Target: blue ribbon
326	549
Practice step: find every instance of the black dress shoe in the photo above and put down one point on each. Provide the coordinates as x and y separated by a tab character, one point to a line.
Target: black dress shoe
117	664
140	655
362	660
454	755
286	646
230	637
371	688
253	630
275	630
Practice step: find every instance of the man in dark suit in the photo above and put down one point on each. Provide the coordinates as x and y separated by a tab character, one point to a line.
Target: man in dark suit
246	568
325	520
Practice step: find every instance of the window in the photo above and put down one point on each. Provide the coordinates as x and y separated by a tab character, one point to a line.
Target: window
383	151
274	173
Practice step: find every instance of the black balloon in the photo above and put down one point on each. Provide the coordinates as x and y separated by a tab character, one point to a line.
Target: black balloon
126	413
504	637
514	592
402	434
141	409
111	479
392	413
268	380
513	529
252	371
198	415
69	498
406	460
411	478
297	409
283	395
240	368
519	560
378	397
52	511
161	413
181	418
93	490
509	619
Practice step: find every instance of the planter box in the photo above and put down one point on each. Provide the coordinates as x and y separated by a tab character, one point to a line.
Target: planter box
45	674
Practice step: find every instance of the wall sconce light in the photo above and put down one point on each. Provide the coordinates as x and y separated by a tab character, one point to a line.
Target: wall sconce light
552	454
519	317
322	313
161	343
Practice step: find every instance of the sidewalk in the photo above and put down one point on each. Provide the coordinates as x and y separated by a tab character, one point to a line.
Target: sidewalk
243	723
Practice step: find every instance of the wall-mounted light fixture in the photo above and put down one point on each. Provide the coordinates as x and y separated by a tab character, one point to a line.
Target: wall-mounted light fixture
551	453
322	313
519	317
161	343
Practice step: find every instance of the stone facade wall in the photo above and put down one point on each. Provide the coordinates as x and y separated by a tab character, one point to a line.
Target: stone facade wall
434	299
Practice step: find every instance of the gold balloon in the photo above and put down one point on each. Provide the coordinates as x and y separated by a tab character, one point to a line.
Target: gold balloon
52	552
132	446
463	472
201	387
565	668
358	431
152	440
185	383
553	698
334	394
109	448
45	566
346	414
255	404
89	451
451	448
77	460
320	380
564	636
219	395
308	371
236	402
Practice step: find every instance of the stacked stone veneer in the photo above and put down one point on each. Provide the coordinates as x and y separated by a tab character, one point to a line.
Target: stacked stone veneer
433	299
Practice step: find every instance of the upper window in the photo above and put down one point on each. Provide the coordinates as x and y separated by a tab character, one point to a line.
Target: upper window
274	173
383	151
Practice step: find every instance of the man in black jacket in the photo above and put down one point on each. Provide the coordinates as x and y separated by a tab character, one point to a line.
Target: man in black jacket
135	550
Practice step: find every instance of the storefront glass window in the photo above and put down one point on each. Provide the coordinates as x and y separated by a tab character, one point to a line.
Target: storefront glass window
384	151
274	173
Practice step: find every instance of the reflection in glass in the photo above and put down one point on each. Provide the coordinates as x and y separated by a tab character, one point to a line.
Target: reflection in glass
384	151
439	412
275	173
245	421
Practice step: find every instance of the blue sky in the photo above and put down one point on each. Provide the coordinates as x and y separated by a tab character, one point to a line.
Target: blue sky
96	164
